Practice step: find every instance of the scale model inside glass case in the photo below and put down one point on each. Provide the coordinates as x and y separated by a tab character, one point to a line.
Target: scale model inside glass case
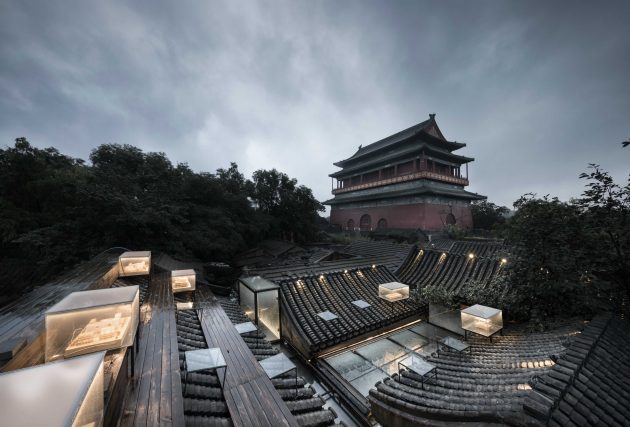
183	280
65	393
90	321
393	291
135	263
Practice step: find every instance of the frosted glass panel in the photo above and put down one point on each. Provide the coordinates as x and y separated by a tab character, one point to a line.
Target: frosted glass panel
381	352
247	301
58	394
268	313
350	365
73	327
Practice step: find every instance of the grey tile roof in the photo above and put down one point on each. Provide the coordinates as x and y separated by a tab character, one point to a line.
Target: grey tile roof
302	298
590	384
488	386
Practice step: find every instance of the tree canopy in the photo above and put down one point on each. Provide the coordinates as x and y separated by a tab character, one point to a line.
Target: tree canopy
56	210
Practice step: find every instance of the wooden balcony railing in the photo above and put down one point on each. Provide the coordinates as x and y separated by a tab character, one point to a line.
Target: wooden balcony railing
404	178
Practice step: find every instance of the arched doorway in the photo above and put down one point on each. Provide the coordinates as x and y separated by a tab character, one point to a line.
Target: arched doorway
350	224
365	223
450	219
382	223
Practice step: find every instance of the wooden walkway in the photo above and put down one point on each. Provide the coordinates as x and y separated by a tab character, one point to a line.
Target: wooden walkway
154	395
24	316
249	394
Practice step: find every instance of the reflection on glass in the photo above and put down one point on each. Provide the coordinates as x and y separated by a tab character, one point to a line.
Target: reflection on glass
350	365
409	340
268	312
90	321
366	382
381	352
247	301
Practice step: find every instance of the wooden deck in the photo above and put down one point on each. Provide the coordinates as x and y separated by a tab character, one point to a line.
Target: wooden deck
154	395
249	394
24	316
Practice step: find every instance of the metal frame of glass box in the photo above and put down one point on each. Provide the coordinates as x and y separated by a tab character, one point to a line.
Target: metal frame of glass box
259	301
482	320
65	393
136	263
91	321
183	280
393	291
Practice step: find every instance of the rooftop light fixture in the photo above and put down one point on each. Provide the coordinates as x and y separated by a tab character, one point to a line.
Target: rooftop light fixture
373	265
345	271
503	260
471	255
321	277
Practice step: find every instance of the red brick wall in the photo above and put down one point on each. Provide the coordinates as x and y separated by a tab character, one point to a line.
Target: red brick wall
423	216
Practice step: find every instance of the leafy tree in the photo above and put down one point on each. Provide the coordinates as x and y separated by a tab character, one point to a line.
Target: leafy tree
606	215
486	215
290	210
56	210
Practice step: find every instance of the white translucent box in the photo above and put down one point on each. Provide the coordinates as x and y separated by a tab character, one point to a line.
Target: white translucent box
91	321
65	393
135	263
393	291
183	280
259	301
482	320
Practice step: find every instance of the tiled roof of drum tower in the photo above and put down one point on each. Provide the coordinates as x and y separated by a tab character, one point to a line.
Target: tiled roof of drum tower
489	385
304	297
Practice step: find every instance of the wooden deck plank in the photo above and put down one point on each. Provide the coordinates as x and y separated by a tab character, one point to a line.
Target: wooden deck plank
155	397
249	394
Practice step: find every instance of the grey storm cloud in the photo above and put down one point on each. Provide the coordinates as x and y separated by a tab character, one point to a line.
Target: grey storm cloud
536	89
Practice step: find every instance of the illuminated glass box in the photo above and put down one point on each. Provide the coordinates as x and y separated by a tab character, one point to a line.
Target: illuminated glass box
90	321
183	280
135	263
259	301
66	393
482	320
393	291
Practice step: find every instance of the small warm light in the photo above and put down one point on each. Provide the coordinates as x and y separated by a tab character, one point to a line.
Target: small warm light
345	271
321	277
503	260
471	256
524	387
373	265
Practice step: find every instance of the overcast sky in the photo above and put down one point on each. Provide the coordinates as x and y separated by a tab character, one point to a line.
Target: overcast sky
536	89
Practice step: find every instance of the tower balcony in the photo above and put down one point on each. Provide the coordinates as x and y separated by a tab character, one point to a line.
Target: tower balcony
404	178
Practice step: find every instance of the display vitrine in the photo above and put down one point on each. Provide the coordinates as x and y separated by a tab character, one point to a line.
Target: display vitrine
90	321
183	280
482	320
135	263
65	393
393	291
259	300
